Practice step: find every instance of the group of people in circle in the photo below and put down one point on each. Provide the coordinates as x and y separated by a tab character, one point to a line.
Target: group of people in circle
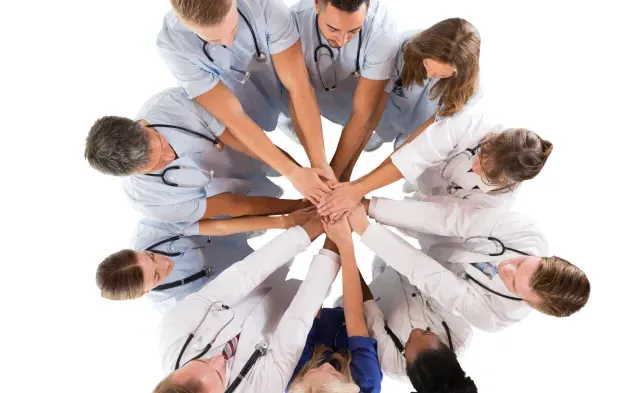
196	163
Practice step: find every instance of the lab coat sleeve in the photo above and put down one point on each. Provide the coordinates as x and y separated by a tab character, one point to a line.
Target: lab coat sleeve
440	284
381	49
433	146
240	279
446	217
391	360
289	338
192	78
281	27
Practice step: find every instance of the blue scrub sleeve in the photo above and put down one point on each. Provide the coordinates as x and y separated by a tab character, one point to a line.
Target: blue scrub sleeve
364	364
281	27
183	214
192	78
381	49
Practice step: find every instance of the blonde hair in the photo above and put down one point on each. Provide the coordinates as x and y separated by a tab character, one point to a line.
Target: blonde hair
344	385
562	286
168	386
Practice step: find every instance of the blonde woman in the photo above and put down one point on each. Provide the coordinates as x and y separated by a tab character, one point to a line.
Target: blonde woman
339	356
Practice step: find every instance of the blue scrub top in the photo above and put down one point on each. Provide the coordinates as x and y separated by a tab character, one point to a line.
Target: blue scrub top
409	107
377	57
196	254
233	171
330	330
263	96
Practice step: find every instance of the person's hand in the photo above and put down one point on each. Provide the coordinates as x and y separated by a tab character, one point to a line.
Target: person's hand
343	198
309	183
339	232
328	174
314	228
299	217
358	219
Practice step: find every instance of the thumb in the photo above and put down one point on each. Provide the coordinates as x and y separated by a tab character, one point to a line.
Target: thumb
322	173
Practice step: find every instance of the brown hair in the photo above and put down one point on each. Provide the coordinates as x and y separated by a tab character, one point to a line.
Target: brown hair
452	41
119	276
202	12
563	287
168	386
514	155
346	385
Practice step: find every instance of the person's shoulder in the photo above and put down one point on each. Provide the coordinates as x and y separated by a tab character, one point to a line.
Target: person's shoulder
380	16
167	103
303	7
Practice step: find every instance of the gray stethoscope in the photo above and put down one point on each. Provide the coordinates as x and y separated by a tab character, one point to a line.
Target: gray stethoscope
316	57
260	348
203	273
500	245
259	56
209	175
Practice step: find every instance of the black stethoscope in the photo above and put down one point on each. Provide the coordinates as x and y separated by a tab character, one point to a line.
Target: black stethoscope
320	46
401	348
260	349
452	187
218	145
203	273
259	56
502	249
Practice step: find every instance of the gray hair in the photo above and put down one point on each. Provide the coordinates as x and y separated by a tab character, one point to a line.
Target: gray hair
117	146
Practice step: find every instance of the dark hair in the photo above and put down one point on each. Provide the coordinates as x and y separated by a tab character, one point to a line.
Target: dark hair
438	371
119	276
452	41
344	5
202	12
116	146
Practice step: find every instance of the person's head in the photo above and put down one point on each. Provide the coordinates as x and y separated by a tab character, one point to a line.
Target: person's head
511	156
340	21
450	51
119	146
432	367
212	20
316	376
129	274
198	376
550	285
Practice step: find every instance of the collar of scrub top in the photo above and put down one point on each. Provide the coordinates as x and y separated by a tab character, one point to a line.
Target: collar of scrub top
259	56
502	249
321	46
174	284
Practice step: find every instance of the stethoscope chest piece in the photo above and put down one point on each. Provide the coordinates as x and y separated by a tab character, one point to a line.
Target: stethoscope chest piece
261	57
355	74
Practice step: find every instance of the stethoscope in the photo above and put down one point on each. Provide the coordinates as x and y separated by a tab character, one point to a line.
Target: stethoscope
203	273
355	74
260	348
259	56
162	175
452	187
502	249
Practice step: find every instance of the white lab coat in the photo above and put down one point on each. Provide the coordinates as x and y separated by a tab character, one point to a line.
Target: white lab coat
262	306
197	252
441	270
402	307
438	158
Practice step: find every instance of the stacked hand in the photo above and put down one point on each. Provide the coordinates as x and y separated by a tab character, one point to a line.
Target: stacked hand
300	216
308	181
343	198
339	232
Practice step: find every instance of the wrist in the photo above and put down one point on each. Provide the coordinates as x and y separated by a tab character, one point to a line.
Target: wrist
359	188
366	203
289	170
313	228
361	226
283	222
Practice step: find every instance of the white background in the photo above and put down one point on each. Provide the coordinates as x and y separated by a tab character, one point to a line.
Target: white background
566	69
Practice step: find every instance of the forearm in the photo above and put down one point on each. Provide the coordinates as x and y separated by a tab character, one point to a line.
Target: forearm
305	114
352	294
366	291
352	138
234	205
238	225
385	174
231	141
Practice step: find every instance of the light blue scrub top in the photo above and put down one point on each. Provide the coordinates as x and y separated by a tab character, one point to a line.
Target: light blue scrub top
407	111
233	171
377	57
222	252
263	96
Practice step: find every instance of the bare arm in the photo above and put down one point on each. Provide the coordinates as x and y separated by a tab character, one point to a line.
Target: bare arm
254	223
292	71
365	101
230	140
235	205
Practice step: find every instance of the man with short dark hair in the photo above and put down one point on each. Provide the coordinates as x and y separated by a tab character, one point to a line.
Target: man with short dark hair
178	166
241	60
349	48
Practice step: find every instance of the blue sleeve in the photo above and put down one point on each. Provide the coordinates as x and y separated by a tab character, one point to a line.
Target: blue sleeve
364	364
